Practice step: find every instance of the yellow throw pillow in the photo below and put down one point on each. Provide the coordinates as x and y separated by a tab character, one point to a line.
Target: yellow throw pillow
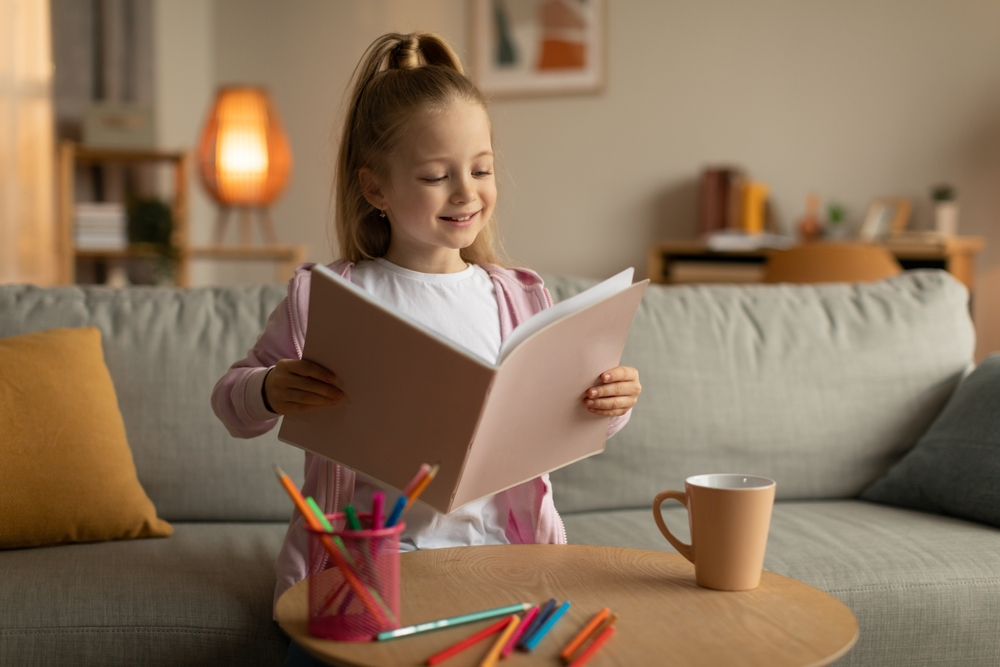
66	470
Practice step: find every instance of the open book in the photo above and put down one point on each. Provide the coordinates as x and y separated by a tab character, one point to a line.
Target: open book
413	397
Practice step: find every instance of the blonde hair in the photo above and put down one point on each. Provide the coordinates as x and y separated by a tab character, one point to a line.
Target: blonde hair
398	77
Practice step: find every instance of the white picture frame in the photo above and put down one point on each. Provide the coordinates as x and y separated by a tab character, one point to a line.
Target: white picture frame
538	47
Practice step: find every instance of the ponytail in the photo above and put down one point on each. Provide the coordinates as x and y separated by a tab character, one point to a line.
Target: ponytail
398	77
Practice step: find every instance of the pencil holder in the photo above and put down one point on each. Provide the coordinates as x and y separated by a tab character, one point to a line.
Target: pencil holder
355	595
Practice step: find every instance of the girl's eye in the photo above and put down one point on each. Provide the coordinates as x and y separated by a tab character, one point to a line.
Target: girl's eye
435	179
480	174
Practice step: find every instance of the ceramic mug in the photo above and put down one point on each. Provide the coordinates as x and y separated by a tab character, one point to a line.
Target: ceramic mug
730	516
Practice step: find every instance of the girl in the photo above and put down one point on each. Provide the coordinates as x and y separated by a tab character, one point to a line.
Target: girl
415	196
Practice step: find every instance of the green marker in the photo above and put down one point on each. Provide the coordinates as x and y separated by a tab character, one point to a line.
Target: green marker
352	518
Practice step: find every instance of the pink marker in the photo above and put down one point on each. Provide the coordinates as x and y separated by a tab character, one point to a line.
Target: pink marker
378	501
525	622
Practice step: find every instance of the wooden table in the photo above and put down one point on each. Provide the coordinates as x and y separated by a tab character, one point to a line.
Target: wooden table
691	261
664	616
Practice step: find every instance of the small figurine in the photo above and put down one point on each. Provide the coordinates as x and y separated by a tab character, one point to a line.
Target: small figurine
810	227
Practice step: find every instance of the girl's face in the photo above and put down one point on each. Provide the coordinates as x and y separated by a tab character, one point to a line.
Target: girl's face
440	190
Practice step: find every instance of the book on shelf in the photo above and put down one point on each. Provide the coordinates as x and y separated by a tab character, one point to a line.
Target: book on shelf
413	397
99	226
913	237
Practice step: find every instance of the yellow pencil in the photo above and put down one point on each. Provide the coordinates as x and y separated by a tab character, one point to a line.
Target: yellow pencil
421	485
582	636
491	658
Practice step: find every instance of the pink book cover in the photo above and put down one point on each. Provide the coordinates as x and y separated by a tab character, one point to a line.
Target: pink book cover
413	397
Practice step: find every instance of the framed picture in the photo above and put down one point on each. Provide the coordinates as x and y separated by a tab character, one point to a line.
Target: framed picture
538	47
885	216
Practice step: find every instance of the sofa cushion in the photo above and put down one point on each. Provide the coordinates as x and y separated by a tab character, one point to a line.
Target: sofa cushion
925	588
68	474
819	387
165	349
202	597
955	467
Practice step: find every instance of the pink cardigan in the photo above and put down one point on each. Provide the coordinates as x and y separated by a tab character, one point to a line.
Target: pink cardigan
238	402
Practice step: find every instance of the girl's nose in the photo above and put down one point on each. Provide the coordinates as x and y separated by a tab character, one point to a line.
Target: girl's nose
463	192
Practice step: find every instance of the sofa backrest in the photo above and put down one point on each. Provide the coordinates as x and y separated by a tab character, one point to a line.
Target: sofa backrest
819	387
165	349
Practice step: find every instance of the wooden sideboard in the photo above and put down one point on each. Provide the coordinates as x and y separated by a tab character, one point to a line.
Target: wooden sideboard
691	261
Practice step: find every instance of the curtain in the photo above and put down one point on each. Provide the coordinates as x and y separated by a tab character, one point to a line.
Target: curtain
27	215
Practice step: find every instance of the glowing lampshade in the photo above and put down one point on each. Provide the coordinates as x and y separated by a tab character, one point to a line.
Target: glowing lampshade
243	156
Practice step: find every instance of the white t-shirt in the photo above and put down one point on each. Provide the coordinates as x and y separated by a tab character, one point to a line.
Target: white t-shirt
462	307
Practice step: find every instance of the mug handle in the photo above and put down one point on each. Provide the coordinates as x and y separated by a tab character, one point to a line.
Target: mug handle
685	550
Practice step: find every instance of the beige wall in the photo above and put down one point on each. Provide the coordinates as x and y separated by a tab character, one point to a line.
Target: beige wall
851	99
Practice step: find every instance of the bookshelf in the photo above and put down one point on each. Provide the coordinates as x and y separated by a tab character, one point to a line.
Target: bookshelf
71	156
691	261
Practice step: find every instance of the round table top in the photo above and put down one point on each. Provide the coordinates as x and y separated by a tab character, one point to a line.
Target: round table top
663	615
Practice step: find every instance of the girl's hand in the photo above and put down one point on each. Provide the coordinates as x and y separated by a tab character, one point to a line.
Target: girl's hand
297	385
618	392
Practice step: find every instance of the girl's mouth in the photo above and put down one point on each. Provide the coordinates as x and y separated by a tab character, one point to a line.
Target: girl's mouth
461	220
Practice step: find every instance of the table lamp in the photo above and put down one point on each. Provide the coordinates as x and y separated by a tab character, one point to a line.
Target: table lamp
244	158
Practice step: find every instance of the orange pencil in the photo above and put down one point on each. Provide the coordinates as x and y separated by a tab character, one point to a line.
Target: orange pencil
421	485
424	469
594	645
491	658
338	558
608	622
467	642
576	642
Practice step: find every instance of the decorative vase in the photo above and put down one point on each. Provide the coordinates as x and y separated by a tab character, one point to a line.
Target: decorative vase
946	217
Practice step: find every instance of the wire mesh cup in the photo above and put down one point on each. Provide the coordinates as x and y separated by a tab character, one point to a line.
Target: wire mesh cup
358	604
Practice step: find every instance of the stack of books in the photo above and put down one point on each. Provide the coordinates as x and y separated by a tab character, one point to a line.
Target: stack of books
100	227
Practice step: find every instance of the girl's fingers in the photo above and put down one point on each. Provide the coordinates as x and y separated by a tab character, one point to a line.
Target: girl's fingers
613	389
612	403
308	398
306	368
619	374
306	384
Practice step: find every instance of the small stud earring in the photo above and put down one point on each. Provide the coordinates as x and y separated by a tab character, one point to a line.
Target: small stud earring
381	214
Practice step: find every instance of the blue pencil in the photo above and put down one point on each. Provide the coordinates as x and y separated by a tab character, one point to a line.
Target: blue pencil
536	623
397	511
549	622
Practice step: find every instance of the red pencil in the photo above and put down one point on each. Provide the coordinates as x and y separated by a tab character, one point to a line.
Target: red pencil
467	642
594	645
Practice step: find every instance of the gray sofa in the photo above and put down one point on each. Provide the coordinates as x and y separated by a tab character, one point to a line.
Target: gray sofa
820	388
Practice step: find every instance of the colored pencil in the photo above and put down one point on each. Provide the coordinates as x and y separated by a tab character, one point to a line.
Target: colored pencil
424	469
581	636
324	522
421	485
397	511
378	504
455	649
491	658
451	622
594	645
359	588
537	622
607	623
512	642
546	626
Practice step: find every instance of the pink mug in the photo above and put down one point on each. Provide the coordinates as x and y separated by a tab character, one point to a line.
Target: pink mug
730	516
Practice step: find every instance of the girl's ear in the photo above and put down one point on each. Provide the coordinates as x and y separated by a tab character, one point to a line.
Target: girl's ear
370	188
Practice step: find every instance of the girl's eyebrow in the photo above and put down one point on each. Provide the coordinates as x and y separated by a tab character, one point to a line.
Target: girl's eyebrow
444	158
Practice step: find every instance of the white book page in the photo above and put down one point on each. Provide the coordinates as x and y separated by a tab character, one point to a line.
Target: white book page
340	280
540	320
